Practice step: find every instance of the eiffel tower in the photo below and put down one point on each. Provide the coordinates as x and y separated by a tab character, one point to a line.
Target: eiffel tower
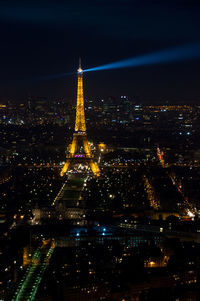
79	149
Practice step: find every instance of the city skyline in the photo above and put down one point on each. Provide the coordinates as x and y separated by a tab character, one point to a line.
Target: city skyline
99	171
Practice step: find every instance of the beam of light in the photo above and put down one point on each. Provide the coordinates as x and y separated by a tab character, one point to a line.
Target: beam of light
176	54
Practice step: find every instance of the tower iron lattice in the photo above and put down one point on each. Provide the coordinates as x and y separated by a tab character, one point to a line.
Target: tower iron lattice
80	150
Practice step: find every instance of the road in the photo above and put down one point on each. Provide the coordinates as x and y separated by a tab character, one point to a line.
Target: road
71	189
28	286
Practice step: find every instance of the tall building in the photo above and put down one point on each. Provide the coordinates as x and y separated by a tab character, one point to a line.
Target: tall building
79	149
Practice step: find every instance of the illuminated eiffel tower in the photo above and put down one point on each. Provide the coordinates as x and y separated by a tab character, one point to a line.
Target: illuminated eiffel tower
79	149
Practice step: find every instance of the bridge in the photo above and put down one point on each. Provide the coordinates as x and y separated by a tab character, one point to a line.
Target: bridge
28	286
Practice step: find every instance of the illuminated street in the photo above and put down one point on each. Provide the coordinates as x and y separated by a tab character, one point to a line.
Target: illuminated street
30	282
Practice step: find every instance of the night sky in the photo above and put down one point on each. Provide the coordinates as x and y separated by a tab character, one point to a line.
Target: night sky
41	38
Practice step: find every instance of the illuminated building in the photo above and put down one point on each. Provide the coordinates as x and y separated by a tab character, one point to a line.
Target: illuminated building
102	147
79	149
26	257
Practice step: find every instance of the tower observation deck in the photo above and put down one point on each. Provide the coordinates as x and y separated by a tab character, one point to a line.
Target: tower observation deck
79	149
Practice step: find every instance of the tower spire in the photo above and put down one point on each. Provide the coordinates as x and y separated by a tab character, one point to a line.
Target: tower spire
80	71
80	125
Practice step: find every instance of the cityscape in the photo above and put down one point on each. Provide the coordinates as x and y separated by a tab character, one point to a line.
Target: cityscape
99	191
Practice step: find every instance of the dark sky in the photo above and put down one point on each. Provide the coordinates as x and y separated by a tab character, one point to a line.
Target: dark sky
40	38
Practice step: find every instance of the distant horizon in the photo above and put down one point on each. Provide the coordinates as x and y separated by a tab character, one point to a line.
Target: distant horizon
137	99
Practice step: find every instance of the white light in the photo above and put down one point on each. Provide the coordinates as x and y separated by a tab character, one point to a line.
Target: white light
190	214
